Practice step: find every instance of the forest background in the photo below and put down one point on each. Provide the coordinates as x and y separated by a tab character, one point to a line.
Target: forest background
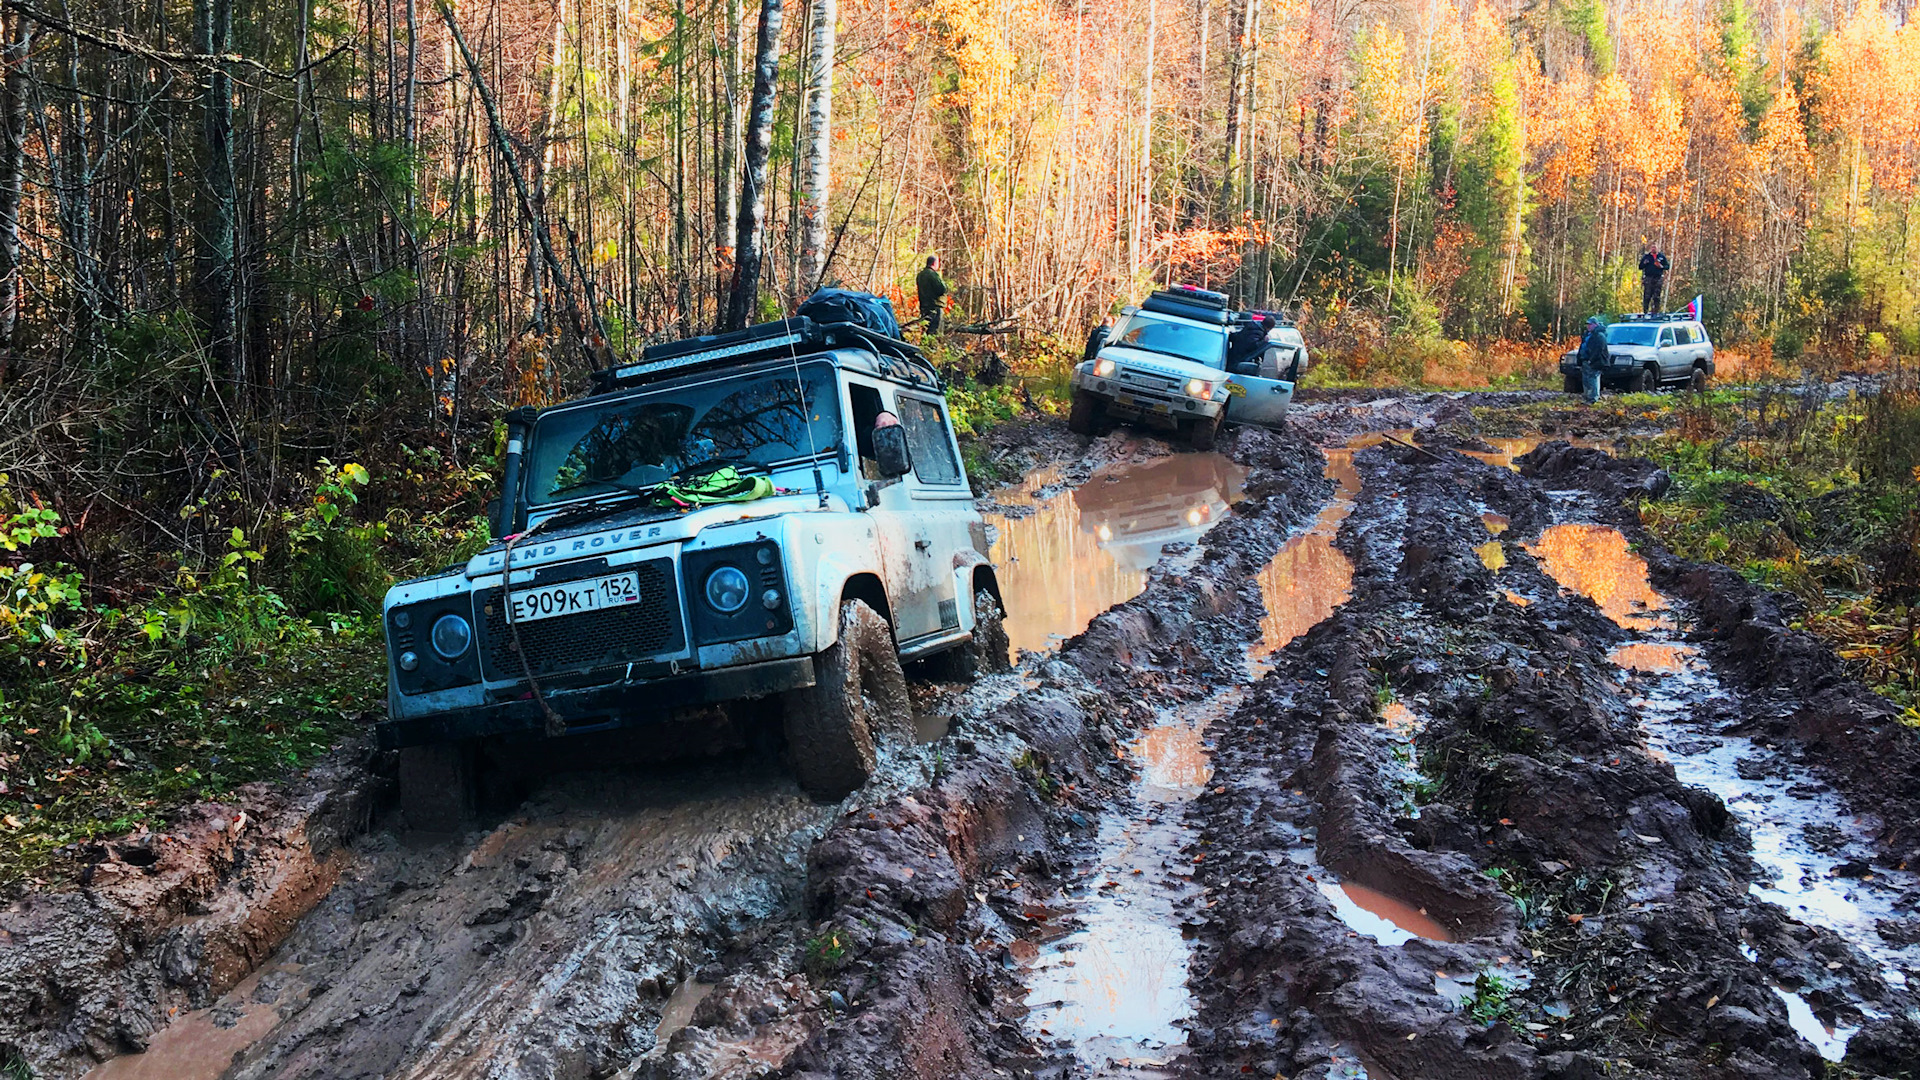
270	272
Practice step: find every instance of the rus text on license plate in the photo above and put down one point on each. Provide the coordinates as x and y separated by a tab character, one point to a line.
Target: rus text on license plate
573	597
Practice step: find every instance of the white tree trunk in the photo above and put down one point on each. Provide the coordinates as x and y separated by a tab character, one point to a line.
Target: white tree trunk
814	216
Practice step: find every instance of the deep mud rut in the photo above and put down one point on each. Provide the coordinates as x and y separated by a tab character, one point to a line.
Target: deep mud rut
1372	761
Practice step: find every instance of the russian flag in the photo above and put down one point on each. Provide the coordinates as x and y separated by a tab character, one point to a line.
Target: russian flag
1694	306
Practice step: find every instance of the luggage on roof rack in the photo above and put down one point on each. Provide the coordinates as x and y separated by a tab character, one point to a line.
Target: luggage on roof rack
1189	302
829	306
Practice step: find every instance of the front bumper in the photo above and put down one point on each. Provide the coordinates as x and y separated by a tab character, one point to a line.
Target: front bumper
626	703
1125	399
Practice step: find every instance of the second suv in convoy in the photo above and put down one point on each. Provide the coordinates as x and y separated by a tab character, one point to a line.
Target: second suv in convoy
1165	363
1646	352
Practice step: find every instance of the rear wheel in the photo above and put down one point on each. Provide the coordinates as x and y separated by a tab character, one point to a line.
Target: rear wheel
1088	413
1698	382
858	700
1647	381
1203	433
1571	383
436	786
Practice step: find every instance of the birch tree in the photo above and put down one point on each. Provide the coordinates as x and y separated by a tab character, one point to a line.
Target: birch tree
749	244
813	240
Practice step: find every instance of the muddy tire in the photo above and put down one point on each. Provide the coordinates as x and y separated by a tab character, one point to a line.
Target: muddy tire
858	701
1204	433
436	787
1698	381
1646	382
1571	384
990	651
1088	413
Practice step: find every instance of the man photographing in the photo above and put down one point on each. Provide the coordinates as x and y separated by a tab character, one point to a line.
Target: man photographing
1653	278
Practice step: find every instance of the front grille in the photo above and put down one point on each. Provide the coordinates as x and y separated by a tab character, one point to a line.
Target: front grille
589	640
1144	381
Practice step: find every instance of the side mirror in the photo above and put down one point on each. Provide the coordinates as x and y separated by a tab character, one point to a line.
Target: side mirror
890	451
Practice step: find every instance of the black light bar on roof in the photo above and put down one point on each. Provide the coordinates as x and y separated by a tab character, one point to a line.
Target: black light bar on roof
667	358
706	356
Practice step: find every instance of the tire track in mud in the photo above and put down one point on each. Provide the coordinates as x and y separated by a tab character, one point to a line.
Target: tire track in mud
1599	907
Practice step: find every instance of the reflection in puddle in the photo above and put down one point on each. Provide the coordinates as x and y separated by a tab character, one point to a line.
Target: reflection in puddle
1829	1039
1506	450
1379	916
1173	757
1659	657
1515	598
1082	551
1493	554
1594	561
1309	577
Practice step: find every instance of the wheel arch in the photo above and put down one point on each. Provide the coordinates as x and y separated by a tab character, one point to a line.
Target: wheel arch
863	586
984	577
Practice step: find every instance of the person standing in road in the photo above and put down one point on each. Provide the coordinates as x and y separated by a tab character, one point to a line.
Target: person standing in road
933	293
1653	278
1592	358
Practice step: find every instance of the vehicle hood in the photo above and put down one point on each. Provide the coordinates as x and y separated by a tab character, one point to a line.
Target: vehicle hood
1632	352
637	526
1160	363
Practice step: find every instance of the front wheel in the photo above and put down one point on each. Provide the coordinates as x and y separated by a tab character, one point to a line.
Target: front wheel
1698	382
858	700
436	786
1087	414
1646	382
1204	433
1571	383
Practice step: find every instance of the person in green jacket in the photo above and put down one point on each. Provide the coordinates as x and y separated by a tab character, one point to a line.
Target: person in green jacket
933	293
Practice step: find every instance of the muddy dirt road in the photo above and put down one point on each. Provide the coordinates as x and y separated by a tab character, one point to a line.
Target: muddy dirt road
1326	756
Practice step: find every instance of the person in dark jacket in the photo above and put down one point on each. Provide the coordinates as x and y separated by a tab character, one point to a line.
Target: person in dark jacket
1592	359
1097	339
1246	344
933	293
1653	278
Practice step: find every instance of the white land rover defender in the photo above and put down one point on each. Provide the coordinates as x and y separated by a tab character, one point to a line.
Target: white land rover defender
778	513
1165	363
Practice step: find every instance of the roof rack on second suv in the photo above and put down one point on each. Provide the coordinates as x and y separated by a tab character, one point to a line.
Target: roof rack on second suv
1657	317
1189	302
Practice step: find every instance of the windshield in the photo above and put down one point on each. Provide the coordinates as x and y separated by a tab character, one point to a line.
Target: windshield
1188	342
1631	334
759	420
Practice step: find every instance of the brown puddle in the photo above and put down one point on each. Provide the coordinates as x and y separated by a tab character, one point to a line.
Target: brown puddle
1174	758
201	1045
1379	916
1309	577
1593	560
1506	450
678	1011
1657	657
1083	551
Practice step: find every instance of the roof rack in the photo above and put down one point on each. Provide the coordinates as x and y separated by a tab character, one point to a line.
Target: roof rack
1188	302
764	341
1656	317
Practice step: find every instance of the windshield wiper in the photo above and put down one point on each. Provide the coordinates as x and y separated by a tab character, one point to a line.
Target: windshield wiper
617	486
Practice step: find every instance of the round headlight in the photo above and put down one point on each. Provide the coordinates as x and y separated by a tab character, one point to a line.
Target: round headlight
451	636
1103	367
1199	388
409	660
402	619
727	590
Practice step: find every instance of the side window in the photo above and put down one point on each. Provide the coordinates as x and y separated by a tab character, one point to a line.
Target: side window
1666	337
927	439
